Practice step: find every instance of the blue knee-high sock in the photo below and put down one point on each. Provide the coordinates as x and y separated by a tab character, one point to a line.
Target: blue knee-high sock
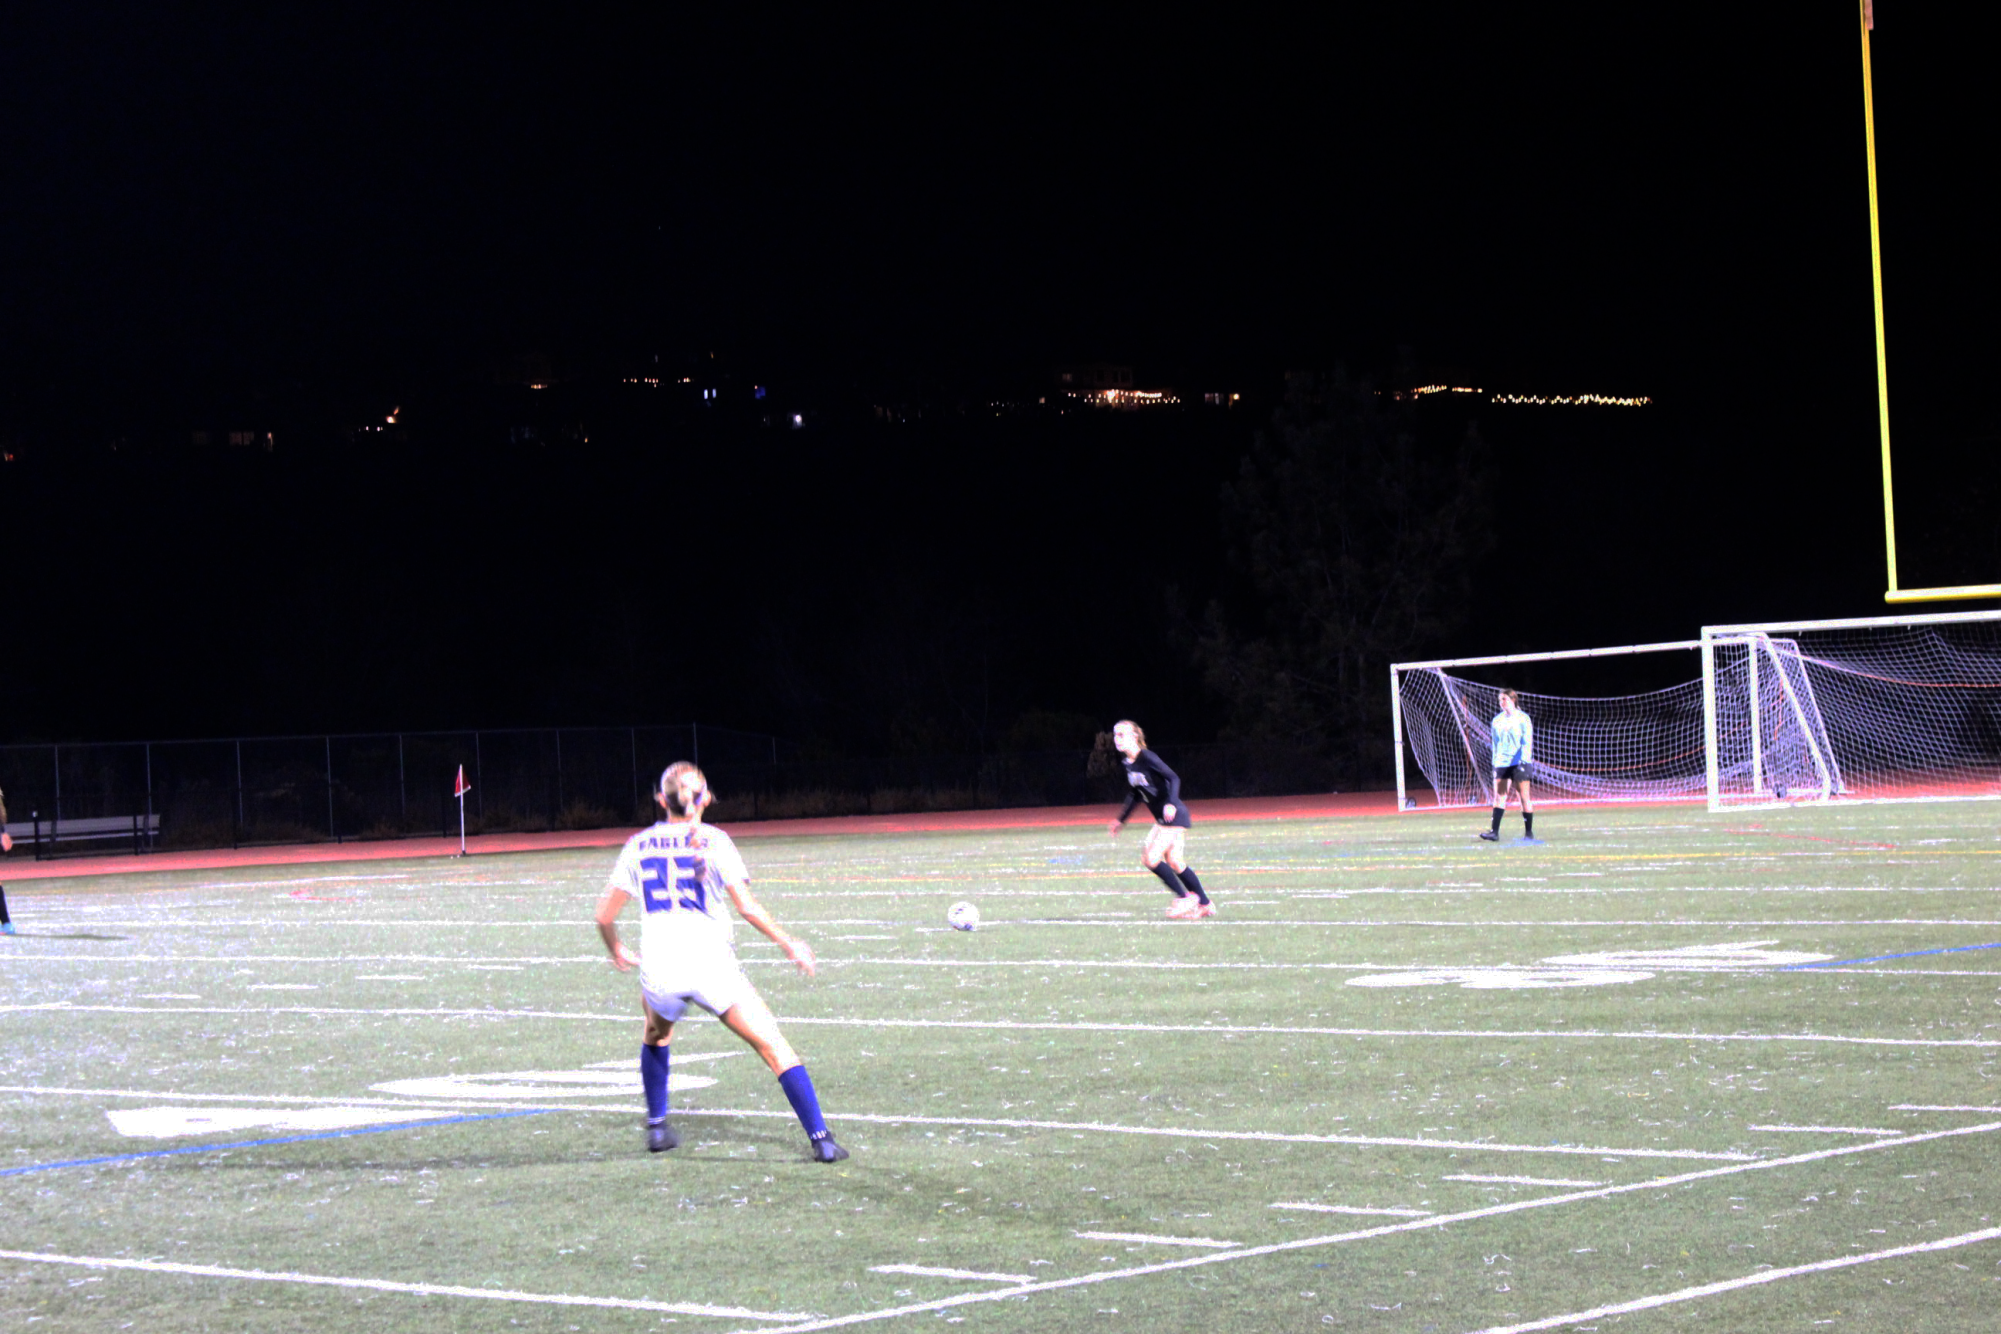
798	1086
1170	879
1194	885
653	1077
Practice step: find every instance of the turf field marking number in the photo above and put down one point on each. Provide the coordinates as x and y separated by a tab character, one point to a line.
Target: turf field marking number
176	1122
1498	979
1598	969
1737	954
610	1079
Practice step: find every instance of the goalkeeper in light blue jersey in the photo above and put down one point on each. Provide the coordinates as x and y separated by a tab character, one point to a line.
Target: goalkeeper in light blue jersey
1514	751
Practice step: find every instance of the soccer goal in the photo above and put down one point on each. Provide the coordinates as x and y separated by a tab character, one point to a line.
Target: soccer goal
1893	708
1877	708
1645	747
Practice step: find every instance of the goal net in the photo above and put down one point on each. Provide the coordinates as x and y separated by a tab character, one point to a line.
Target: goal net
1891	708
1873	709
1644	747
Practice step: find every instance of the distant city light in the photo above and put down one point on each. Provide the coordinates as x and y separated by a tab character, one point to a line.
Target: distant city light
1130	398
1573	400
798	420
393	413
1534	400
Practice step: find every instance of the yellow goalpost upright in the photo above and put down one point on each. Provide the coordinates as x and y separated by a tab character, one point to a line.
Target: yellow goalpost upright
1894	593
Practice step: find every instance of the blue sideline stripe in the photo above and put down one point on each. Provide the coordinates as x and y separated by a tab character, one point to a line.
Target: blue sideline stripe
260	1143
1878	958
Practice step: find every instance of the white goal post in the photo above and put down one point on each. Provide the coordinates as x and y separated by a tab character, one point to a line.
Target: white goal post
1881	708
1871	708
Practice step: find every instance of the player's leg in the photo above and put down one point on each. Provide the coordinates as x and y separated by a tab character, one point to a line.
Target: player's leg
751	1019
1528	807
1501	781
653	1068
1176	856
1153	856
6	922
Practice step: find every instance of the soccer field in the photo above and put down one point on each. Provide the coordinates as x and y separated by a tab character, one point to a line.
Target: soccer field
1406	1081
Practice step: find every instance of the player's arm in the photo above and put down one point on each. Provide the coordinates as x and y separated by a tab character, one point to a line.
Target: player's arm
1170	783
748	908
609	907
1125	812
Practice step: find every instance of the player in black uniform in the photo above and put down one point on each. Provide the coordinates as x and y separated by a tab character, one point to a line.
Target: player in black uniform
6	845
1163	853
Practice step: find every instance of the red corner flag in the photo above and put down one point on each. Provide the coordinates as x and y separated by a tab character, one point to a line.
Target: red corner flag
463	787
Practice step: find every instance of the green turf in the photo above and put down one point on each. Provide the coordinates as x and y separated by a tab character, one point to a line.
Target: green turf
1019	1054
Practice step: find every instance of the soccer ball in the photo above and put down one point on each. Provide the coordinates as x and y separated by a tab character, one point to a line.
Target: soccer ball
962	916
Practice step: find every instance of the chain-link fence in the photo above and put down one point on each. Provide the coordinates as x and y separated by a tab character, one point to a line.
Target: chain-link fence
302	789
147	795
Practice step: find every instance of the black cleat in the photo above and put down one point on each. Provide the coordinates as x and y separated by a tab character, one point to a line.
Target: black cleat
661	1137
1490	836
826	1151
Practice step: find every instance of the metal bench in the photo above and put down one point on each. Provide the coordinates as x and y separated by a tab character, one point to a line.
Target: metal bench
45	836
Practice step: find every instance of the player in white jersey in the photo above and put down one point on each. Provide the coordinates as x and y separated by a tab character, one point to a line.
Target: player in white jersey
1514	751
680	870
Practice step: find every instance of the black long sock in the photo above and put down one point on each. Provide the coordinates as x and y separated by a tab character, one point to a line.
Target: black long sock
1194	885
3	905
1528	824
1498	810
1170	879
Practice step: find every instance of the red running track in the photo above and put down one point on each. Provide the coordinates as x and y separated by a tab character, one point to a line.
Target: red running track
1325	806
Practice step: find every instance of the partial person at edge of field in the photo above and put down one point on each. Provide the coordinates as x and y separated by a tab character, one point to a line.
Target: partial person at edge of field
678	870
1164	853
6	845
1514	752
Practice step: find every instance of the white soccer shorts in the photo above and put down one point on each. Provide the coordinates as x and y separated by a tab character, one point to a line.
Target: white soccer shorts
716	982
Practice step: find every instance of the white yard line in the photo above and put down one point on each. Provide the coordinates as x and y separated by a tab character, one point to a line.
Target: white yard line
1748	1280
1148	1238
932	1271
1353	1209
387	1285
1286	1030
889	1119
514	959
1517	1181
1056	1026
1825	1130
1930	1107
336	923
1390	1229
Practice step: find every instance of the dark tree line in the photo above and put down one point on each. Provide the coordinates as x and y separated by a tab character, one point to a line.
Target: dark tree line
1355	532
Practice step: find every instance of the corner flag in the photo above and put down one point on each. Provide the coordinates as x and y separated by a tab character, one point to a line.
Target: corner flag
459	790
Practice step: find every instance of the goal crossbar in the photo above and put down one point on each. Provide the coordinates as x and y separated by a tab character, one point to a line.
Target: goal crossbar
1499	659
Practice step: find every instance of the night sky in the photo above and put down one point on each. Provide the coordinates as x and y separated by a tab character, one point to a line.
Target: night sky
359	208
